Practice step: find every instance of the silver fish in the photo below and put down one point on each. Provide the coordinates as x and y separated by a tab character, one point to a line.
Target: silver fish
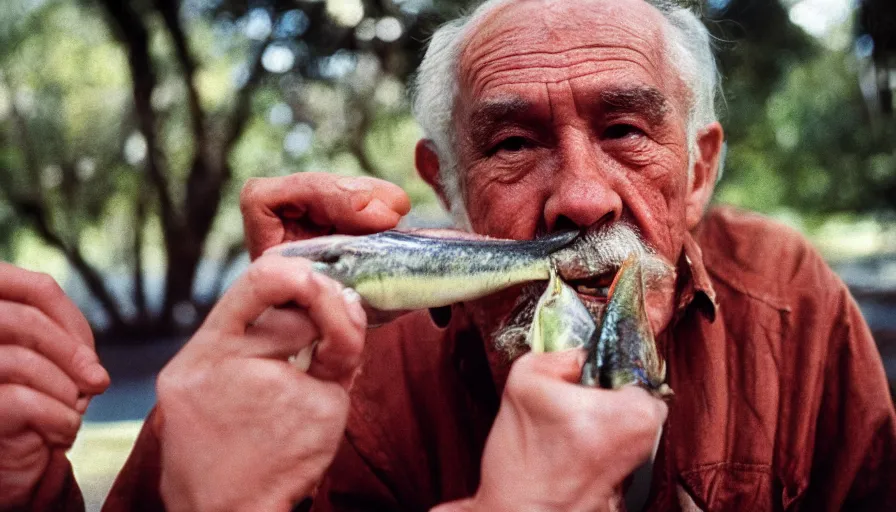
623	350
400	271
561	321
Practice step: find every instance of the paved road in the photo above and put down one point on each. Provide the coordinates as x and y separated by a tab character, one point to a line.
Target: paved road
133	370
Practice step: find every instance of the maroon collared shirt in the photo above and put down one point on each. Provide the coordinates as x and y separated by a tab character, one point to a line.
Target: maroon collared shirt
781	402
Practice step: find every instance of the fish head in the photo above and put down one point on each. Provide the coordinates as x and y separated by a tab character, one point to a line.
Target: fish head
623	349
560	321
344	258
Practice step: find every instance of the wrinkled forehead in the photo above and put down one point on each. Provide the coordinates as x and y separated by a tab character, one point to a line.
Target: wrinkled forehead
553	36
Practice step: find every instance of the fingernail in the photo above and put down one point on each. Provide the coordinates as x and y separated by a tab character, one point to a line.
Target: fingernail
376	204
302	359
350	295
92	371
355	310
354	185
361	200
321	281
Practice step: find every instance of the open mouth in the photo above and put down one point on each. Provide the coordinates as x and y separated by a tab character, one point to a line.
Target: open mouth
595	288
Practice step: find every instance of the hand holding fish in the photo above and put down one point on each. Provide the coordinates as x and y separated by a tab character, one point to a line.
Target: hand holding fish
556	445
309	204
230	399
48	372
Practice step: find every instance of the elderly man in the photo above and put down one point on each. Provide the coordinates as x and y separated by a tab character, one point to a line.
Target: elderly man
540	115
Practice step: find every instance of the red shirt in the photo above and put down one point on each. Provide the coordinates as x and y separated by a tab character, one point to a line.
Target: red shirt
781	401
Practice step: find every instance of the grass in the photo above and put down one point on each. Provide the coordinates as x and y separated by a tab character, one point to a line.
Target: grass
98	455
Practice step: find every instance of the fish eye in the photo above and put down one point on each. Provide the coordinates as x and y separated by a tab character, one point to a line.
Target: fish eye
329	257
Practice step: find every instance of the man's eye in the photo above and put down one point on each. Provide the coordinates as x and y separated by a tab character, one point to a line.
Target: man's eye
620	131
512	144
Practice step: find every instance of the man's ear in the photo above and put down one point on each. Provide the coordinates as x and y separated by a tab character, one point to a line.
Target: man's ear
702	180
427	162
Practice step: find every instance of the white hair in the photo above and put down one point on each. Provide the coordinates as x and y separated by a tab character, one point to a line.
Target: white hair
435	86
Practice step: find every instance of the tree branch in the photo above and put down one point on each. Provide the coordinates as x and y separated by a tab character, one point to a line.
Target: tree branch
355	142
234	251
243	108
132	32
34	207
208	177
137	249
169	10
36	211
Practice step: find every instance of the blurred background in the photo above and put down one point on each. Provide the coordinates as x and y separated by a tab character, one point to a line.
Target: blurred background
127	128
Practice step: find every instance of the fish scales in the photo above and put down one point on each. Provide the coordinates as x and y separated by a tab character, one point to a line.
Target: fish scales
398	271
622	350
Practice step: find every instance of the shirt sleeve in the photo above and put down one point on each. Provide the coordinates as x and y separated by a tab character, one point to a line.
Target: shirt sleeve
351	484
854	466
58	489
356	488
137	487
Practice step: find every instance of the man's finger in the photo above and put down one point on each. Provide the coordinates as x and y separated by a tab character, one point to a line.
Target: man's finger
29	327
342	323
362	205
274	281
19	365
24	408
282	332
350	205
564	365
271	281
42	292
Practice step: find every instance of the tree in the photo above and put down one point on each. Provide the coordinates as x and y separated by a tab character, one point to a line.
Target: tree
799	133
128	126
159	164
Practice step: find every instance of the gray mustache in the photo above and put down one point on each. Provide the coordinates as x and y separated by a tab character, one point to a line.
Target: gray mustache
602	250
596	252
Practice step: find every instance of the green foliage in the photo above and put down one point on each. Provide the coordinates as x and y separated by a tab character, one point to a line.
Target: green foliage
814	147
75	145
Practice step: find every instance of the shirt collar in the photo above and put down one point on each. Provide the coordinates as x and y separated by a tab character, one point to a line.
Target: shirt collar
694	285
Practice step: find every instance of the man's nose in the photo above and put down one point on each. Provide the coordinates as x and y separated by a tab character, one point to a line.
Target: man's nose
581	192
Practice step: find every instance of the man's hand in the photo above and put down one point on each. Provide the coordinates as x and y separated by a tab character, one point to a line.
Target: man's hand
48	372
558	446
309	204
240	427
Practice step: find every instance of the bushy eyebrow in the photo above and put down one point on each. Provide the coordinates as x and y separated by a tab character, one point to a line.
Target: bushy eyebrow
487	115
645	100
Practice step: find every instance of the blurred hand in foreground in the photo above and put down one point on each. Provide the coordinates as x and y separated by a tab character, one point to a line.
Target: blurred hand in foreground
558	446
48	372
239	426
309	204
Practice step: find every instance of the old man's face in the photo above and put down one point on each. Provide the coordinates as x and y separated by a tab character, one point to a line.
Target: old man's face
570	115
574	115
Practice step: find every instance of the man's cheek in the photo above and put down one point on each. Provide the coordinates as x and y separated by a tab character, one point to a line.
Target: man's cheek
657	208
512	212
